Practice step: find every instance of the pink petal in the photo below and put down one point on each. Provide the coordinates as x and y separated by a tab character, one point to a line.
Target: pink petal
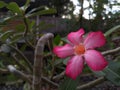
63	51
74	67
95	60
94	39
76	37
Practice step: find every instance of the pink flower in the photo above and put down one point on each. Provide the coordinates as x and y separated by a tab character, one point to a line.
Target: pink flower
82	50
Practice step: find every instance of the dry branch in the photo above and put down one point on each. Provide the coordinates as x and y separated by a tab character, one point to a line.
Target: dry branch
38	59
111	51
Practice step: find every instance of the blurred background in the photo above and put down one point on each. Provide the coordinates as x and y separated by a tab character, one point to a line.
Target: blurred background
72	14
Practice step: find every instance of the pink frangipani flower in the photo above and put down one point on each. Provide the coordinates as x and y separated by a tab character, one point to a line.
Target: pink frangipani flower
81	50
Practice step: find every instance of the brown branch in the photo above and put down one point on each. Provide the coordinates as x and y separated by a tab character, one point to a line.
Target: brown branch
37	69
26	32
47	55
18	73
50	44
25	77
91	84
50	82
45	79
18	63
111	51
59	76
22	56
4	71
81	13
26	26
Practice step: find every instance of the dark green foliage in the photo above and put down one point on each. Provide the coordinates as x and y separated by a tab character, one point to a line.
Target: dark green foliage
69	84
14	8
111	72
57	40
2	4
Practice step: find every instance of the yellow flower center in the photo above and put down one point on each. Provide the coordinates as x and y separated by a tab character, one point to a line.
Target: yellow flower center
79	49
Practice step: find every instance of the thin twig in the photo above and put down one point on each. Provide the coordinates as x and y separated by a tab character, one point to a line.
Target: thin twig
50	44
47	80
26	32
4	71
28	78
26	27
91	84
59	76
23	56
18	73
50	82
38	59
47	55
18	63
111	51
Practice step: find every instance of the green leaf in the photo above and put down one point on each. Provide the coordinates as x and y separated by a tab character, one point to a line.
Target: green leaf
112	76
4	21
112	72
16	38
69	84
8	79
20	28
2	4
26	86
23	47
6	35
66	60
42	12
1	63
46	26
41	24
65	40
14	8
26	4
58	61
100	73
57	40
36	9
31	25
109	32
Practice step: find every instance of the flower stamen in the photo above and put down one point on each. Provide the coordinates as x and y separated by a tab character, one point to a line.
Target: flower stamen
79	49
